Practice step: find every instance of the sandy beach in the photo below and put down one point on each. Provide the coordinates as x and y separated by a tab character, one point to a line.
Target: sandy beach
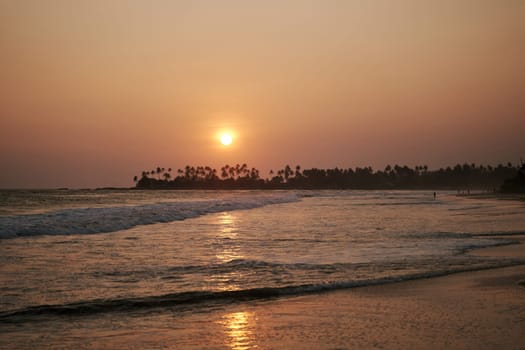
472	310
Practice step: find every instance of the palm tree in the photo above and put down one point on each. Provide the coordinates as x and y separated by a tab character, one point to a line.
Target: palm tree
244	170
159	171
237	170
297	171
280	175
287	172
225	171
254	174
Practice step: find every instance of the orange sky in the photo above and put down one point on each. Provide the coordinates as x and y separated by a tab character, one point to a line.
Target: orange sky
93	92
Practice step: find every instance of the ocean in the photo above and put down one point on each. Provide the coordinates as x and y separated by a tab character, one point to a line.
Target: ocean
131	269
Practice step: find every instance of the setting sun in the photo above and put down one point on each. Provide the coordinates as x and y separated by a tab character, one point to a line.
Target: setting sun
226	139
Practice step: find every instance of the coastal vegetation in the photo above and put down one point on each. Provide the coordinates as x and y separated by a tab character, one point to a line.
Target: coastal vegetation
515	184
461	177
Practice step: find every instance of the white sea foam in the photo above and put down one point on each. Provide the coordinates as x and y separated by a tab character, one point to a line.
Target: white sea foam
110	219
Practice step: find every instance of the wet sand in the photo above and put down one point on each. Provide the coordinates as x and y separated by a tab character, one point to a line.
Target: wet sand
472	310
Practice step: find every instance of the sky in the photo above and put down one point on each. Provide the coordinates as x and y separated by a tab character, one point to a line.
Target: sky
93	92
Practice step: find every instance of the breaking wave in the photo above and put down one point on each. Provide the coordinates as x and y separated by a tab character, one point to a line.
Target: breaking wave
194	298
103	220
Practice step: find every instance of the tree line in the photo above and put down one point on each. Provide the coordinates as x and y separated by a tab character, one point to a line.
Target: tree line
241	176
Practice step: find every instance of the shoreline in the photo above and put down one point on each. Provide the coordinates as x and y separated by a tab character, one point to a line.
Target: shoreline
482	309
512	250
499	195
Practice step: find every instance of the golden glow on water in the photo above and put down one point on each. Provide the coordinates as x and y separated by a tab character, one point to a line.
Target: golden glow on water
228	249
227	225
237	327
227	234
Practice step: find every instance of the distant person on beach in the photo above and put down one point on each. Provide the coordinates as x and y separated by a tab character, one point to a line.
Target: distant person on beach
434	195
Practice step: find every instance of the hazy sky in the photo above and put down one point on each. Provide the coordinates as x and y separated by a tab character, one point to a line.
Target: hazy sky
94	92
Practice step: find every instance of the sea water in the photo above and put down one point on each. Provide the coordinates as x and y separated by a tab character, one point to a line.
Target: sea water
82	265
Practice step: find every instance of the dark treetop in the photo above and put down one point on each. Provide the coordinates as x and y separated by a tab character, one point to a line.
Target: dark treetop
459	177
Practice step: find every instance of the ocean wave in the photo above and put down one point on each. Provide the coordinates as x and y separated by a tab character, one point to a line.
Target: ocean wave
249	273
205	298
103	220
235	265
499	234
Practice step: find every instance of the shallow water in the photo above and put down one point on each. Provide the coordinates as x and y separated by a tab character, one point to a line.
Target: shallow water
134	262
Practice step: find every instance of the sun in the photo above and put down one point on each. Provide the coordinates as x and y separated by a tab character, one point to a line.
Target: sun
226	139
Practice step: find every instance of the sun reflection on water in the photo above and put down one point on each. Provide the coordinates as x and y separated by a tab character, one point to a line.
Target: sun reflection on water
237	329
227	225
227	249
